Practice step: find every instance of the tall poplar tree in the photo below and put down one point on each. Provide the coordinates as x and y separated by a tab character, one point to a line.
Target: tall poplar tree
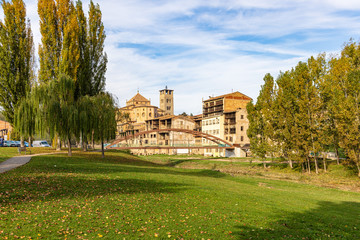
260	129
83	83
50	47
284	111
97	56
16	57
348	96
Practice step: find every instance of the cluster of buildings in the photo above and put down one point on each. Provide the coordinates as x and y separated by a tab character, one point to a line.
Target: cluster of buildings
224	117
5	130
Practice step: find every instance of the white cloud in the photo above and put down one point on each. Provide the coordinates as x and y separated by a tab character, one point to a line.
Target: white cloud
200	47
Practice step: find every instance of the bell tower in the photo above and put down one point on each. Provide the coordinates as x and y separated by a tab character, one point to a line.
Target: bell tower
167	101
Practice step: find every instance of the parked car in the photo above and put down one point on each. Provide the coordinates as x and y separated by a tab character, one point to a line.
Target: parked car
9	144
18	143
41	143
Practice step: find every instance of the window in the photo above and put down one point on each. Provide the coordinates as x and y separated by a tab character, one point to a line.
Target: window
241	138
230	139
242	116
168	108
143	114
149	114
214	121
242	128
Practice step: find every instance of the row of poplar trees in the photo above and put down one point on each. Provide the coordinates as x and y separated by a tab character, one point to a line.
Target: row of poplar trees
309	110
66	97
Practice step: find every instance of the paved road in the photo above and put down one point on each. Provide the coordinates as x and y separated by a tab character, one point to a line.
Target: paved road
14	163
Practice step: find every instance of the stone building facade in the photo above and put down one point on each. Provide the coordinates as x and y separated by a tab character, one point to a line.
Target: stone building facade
167	101
133	116
225	116
5	130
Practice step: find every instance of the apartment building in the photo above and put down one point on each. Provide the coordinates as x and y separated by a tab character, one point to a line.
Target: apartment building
225	117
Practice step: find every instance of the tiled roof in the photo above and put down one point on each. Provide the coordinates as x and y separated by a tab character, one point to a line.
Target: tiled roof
234	94
138	98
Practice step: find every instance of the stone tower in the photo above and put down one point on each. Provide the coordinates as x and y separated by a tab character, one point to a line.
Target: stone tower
167	101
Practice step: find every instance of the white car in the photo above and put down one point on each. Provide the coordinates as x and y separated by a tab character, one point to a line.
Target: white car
41	143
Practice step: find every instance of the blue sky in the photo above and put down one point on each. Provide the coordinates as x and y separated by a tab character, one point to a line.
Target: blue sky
202	48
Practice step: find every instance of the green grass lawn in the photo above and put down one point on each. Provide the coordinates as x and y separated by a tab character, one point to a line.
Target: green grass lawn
9	152
127	197
342	176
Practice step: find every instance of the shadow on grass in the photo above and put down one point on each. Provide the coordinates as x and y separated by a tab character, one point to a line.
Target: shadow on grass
21	189
328	221
47	178
108	166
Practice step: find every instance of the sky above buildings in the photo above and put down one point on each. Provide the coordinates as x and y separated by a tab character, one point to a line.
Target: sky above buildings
202	48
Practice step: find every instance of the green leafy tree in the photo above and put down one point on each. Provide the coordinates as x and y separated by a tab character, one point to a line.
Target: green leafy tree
97	56
284	113
61	109
104	118
50	47
16	57
347	95
260	130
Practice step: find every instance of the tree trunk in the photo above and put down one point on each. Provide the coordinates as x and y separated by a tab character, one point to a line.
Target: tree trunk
264	163
337	156
92	141
30	142
309	165
324	161
290	163
58	145
81	141
358	163
102	147
316	165
84	144
22	141
69	147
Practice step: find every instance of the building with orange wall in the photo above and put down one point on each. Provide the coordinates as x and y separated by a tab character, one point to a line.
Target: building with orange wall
5	130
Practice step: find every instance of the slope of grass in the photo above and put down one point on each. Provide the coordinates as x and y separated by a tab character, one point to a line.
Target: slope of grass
9	152
123	196
342	176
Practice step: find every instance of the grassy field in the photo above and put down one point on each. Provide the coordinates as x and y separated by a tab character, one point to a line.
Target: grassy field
128	197
9	152
342	176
